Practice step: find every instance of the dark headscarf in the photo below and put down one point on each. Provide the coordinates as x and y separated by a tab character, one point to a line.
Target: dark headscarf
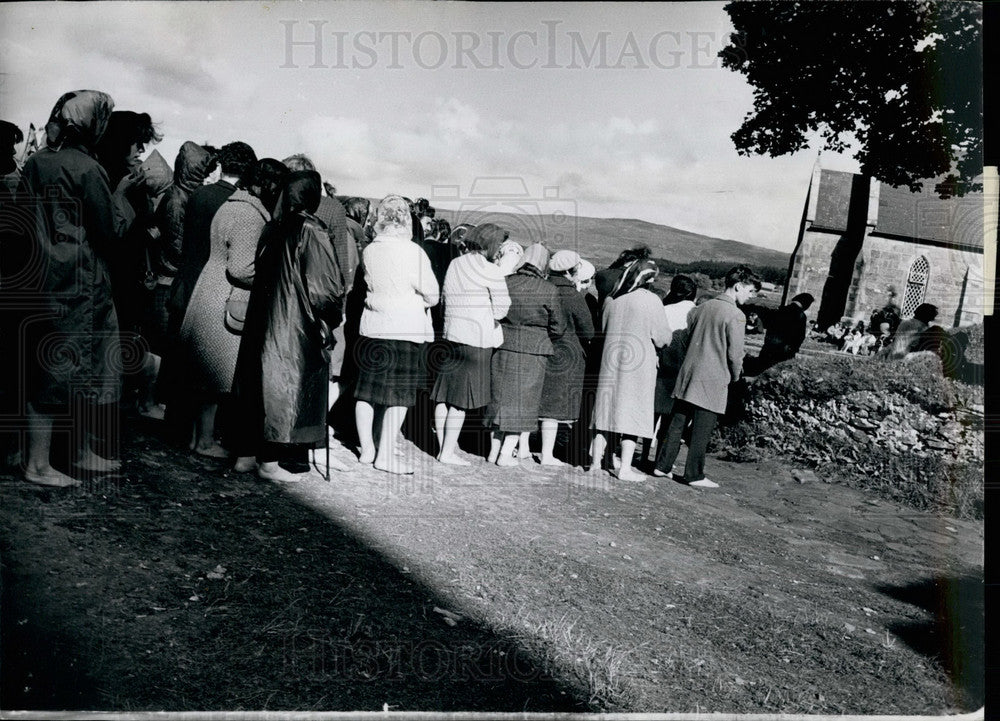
80	117
638	274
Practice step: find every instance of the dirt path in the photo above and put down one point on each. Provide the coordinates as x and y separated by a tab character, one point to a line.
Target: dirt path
766	595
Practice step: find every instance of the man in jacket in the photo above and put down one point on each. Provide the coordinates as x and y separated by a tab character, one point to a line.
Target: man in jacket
786	329
713	360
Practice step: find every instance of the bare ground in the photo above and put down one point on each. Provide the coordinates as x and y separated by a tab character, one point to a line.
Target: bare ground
178	586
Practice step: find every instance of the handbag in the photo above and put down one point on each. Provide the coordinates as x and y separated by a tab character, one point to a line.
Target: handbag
236	314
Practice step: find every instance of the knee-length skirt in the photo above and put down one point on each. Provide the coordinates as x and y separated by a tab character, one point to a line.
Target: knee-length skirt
464	377
389	371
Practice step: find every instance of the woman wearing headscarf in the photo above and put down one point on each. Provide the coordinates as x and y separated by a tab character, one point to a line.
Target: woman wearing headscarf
563	388
509	256
475	298
534	321
210	332
634	327
395	325
81	223
296	302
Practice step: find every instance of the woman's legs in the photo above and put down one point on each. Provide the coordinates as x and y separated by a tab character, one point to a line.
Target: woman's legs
94	416
506	456
495	439
38	468
550	427
625	471
440	419
597	447
205	443
364	418
523	448
386	458
453	422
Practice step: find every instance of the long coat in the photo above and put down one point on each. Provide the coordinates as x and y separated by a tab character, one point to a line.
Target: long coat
714	357
296	302
634	327
80	225
563	389
534	320
201	208
210	345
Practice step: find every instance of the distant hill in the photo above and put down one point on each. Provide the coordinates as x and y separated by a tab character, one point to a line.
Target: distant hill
600	240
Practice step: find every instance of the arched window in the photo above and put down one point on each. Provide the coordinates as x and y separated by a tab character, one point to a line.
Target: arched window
916	286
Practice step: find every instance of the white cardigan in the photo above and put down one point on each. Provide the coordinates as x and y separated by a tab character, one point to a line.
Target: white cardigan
475	298
401	287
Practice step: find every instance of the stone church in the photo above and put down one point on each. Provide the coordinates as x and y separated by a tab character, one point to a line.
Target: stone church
862	244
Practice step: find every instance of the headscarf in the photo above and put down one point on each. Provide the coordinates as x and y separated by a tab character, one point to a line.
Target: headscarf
85	112
508	256
537	256
638	274
585	271
393	211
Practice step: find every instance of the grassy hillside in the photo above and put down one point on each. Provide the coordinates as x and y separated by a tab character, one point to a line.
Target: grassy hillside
600	240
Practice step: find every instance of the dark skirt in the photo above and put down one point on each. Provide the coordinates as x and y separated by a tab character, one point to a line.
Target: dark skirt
563	388
389	371
464	378
517	391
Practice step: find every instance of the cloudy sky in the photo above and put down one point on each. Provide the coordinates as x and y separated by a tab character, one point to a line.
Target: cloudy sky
614	111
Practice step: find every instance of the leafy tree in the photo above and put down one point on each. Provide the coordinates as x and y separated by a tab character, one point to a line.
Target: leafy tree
902	79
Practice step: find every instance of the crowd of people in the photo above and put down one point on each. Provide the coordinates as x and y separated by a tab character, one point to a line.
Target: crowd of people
269	321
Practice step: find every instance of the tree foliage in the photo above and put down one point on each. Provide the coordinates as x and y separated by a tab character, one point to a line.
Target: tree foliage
902	79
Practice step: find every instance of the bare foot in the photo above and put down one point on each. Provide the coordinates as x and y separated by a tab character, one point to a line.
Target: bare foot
508	461
245	464
49	476
630	474
453	460
212	451
550	461
274	472
155	411
90	461
366	456
395	465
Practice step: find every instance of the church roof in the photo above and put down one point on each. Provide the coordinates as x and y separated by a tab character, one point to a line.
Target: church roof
921	217
925	216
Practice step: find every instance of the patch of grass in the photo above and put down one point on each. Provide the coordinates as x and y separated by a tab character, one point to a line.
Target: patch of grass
600	670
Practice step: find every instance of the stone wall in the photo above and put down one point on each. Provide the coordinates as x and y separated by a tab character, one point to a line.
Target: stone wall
812	264
886	262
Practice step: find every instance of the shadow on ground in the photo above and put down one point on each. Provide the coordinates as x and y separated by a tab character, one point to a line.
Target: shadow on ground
187	589
954	635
